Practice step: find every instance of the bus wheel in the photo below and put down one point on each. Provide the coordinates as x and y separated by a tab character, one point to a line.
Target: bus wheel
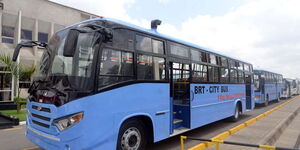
267	101
236	115
132	136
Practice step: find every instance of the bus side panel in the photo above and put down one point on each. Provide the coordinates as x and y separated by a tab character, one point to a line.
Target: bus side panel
214	102
271	91
106	112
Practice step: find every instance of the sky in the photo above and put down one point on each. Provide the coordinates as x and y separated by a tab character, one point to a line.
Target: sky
265	33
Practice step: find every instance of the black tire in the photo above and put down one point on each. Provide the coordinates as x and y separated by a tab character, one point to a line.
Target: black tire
278	98
132	134
266	101
236	115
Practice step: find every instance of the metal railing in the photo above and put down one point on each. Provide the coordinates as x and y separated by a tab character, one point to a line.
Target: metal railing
218	142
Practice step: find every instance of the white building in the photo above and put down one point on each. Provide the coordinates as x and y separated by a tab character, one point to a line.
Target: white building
30	20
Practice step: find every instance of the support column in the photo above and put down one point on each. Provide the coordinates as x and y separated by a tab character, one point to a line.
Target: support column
15	81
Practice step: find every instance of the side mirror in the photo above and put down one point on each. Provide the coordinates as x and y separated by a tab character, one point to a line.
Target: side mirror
71	43
19	46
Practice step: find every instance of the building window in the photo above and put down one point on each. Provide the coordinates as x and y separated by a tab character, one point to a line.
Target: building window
26	35
43	37
199	73
8	34
150	68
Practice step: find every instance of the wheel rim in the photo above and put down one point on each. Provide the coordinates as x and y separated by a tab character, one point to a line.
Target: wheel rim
131	139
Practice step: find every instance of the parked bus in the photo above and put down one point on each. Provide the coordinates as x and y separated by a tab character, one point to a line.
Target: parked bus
106	84
268	86
295	87
287	88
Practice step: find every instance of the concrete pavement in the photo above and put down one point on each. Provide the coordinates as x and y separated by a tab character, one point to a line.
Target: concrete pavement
280	128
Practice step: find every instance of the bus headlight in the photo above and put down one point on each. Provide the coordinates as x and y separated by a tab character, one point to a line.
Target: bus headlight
68	121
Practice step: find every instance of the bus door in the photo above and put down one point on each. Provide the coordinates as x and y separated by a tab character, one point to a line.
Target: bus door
180	95
248	91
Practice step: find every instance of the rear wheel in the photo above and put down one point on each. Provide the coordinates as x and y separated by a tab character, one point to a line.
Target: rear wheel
132	136
266	101
236	115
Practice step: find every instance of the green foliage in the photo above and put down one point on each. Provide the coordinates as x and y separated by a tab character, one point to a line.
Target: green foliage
21	115
19	71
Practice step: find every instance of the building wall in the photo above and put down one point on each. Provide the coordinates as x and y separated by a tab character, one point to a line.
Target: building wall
31	20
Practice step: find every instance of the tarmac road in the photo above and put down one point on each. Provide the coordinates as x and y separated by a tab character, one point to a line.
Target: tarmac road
14	138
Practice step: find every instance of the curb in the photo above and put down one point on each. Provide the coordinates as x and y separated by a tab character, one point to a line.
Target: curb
22	123
235	129
273	136
14	120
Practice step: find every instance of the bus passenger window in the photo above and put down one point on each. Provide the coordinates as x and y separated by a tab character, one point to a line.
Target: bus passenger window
143	43
212	59
158	47
116	66
224	62
150	68
213	74
179	50
233	76
195	55
224	75
241	77
199	73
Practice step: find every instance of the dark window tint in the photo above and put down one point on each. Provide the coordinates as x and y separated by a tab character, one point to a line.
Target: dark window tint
143	43
179	50
213	74
233	76
232	64
26	34
224	62
150	68
203	57
246	67
123	39
240	66
43	37
195	55
212	59
158	46
116	66
199	73
241	77
224	75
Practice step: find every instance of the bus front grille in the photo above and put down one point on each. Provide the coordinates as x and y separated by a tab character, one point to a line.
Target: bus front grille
44	109
40	124
41	117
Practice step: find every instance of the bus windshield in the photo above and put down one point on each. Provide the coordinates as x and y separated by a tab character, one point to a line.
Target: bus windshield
76	70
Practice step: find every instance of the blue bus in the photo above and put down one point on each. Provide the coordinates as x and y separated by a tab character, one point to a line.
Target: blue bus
106	84
269	86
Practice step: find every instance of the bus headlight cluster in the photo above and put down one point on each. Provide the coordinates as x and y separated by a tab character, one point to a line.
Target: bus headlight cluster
68	121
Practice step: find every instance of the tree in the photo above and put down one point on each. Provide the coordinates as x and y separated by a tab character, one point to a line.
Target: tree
18	71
